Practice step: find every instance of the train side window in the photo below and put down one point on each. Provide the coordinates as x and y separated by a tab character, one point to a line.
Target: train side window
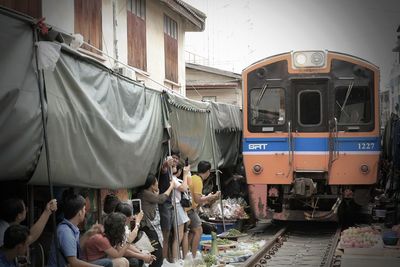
267	106
353	105
310	109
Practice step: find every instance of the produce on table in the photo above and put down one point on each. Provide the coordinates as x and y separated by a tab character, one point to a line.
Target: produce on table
210	259
232	233
360	237
220	241
233	209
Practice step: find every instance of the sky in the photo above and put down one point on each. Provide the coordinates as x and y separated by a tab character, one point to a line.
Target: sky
241	32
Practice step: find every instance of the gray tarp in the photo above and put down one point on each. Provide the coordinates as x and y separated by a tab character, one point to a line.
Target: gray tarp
20	118
227	123
104	131
226	117
198	127
191	129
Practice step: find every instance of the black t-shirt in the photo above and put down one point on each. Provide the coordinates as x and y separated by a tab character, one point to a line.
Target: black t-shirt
163	182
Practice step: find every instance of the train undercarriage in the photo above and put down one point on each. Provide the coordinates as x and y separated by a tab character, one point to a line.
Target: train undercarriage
310	197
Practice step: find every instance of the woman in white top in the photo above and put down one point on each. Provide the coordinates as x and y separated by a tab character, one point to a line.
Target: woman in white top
180	185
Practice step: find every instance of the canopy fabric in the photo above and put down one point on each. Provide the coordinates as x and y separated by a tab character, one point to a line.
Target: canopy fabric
191	135
226	117
229	146
205	130
21	134
187	104
104	131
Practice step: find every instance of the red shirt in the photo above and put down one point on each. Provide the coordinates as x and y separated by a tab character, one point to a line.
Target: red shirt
96	246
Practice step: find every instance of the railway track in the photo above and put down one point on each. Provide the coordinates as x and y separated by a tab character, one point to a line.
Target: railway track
298	245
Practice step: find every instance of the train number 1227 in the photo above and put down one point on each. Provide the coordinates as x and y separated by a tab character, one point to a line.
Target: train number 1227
366	146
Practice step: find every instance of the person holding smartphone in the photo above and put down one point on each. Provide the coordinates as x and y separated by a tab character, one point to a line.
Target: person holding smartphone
151	198
181	186
166	208
134	255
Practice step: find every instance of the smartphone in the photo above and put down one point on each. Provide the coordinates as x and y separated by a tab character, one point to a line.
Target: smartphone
136	205
187	162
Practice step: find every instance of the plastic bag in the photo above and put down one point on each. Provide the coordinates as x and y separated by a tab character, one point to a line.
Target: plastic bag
144	242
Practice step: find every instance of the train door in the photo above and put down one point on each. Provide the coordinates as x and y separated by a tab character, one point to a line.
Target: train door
310	125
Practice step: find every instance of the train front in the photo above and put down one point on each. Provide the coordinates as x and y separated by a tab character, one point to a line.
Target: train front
311	134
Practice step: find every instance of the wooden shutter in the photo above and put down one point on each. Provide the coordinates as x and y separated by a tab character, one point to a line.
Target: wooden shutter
171	49
32	8
88	22
137	35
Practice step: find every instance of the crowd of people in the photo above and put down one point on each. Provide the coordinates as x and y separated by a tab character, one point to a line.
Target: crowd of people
172	228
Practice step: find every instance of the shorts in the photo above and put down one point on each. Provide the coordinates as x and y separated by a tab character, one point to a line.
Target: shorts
194	219
181	214
105	262
133	262
166	216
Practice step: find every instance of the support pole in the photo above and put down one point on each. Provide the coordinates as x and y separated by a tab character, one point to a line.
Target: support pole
173	200
41	86
213	141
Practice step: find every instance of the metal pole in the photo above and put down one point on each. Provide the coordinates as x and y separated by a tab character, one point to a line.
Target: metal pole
173	200
217	172
40	76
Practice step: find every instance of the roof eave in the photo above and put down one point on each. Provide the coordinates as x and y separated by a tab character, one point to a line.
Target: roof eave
195	18
213	70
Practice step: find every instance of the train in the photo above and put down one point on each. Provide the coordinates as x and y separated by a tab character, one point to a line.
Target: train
311	137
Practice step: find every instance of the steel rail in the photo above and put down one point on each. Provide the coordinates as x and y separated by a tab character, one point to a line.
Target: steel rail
254	260
294	246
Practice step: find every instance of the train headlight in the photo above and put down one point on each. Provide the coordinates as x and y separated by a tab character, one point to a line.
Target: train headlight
300	59
257	168
364	169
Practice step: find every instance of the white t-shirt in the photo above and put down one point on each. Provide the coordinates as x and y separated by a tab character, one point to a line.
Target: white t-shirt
177	182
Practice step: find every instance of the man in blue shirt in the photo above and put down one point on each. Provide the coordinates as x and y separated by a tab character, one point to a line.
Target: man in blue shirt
15	244
68	234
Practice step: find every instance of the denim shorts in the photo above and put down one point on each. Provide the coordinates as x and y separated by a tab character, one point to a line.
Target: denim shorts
166	216
194	219
105	262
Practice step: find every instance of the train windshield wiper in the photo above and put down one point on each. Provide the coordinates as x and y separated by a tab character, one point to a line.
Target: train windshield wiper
264	88
348	92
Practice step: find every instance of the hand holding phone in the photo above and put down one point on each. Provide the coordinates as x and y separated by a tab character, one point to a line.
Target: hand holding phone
136	205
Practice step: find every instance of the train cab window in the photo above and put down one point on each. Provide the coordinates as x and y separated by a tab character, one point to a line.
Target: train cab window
353	105
310	108
267	106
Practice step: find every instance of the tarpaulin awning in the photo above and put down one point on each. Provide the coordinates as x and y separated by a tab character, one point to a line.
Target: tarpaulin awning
104	131
198	127
21	132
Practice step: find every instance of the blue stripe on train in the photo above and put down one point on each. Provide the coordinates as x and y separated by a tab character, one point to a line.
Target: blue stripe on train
306	144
